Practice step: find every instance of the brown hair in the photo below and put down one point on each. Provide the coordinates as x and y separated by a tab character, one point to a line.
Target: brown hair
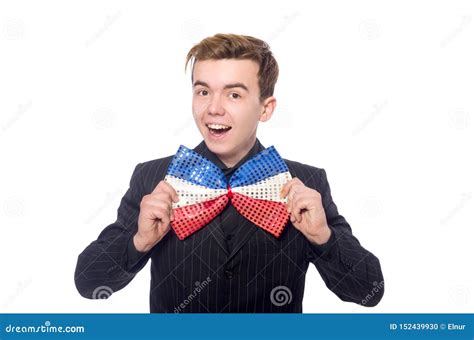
233	46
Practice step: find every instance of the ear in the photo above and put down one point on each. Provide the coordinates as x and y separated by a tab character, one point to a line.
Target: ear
268	106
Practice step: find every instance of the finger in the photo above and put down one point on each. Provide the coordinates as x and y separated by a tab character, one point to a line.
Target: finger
301	203
168	188
294	190
299	206
289	203
162	196
164	186
286	188
292	218
297	180
164	228
160	199
151	203
160	214
163	200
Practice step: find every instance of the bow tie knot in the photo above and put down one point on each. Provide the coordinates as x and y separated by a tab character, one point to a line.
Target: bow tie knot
229	192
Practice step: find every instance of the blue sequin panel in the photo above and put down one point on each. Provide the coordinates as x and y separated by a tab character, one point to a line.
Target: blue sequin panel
192	167
265	164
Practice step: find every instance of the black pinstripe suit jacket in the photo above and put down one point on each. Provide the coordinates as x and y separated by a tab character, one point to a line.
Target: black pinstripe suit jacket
200	274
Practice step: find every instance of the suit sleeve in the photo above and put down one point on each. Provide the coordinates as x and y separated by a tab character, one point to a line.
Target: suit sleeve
349	270
109	263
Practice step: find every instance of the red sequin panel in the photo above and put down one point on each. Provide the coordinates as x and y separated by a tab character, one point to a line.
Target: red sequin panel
269	215
191	218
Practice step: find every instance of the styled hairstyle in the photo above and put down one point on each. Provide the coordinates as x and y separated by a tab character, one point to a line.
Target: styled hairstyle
233	46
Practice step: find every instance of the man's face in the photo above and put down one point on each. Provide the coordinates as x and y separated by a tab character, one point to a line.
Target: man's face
227	106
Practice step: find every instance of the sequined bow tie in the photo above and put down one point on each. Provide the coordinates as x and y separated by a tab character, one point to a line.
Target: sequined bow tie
203	190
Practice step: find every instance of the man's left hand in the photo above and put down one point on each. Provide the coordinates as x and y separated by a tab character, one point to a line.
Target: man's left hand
306	211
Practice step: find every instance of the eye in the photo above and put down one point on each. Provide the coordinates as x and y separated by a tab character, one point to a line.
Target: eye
235	95
203	92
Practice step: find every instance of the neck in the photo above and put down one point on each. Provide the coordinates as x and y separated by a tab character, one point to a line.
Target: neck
231	161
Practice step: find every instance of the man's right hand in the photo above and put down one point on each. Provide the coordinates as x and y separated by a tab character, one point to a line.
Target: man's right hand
156	213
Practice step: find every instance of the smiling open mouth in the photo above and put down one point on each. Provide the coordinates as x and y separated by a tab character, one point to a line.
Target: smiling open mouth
218	130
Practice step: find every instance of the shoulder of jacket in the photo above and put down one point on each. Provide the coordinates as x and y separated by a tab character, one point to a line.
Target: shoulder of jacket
149	173
306	173
298	166
156	163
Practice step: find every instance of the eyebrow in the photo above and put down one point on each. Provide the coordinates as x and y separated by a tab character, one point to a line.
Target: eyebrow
228	86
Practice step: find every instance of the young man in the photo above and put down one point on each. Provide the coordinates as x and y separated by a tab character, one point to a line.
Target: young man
230	264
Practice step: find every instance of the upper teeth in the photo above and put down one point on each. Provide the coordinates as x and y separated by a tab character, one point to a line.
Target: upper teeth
218	126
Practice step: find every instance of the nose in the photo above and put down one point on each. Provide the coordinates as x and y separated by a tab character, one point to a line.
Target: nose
215	106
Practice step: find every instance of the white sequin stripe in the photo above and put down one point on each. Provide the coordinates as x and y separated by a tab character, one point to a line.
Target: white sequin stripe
190	193
267	189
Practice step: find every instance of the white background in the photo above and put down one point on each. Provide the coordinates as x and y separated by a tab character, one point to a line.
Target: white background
380	94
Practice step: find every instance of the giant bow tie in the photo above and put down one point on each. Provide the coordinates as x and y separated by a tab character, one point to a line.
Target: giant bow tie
203	190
